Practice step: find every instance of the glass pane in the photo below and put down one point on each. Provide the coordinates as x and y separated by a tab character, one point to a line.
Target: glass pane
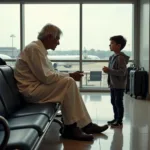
100	22
94	76
66	66
10	30
62	67
65	16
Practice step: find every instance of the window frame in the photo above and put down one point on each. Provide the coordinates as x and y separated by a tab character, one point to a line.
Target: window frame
135	31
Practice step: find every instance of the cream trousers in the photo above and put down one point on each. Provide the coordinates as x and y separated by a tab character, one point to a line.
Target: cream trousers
67	93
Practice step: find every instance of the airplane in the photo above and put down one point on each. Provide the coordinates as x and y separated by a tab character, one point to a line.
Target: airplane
69	57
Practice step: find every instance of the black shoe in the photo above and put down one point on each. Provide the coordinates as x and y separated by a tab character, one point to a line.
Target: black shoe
112	121
94	129
75	133
117	125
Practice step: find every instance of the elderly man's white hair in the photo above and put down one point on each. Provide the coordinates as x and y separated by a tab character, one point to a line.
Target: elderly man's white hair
49	29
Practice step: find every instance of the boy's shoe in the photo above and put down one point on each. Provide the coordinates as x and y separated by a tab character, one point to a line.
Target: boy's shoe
112	121
116	124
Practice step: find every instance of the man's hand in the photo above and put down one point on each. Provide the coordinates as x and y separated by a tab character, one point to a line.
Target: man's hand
77	75
105	69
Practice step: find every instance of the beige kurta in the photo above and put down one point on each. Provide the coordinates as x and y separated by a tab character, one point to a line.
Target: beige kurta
40	83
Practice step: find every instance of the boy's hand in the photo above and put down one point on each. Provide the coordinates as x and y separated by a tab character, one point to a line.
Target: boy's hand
105	69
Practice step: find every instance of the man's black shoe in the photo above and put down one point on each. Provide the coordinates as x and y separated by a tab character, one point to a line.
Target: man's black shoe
94	129
75	133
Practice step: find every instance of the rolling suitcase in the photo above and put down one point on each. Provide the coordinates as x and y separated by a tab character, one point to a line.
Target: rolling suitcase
132	67
138	83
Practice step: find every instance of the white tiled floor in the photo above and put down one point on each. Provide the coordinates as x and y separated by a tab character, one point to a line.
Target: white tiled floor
135	134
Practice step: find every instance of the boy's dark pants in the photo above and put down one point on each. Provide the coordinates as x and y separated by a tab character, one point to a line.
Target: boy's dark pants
117	102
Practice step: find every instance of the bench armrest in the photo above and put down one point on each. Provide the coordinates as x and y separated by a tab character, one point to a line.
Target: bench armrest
4	123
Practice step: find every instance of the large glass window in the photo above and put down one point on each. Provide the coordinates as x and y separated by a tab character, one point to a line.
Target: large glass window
100	22
65	16
10	30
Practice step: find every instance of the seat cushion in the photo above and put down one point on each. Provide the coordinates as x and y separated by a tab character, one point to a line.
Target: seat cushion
8	74
10	103
23	139
47	109
37	122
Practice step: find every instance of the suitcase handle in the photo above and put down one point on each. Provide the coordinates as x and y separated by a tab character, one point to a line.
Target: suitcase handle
133	65
142	69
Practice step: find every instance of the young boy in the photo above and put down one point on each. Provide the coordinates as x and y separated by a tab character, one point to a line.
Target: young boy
117	76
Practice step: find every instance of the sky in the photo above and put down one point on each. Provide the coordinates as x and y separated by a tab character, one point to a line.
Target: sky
100	22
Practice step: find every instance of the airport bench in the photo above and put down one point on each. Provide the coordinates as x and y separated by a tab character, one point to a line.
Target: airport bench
28	123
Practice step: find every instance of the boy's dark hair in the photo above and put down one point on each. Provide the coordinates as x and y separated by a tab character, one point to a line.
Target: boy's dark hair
119	39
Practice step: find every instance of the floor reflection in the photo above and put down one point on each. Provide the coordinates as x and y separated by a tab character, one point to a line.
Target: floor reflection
117	141
135	134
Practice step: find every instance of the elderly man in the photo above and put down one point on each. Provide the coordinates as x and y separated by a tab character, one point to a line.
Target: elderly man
40	83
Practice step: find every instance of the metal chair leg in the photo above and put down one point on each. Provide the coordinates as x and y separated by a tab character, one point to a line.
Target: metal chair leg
6	133
59	122
59	114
